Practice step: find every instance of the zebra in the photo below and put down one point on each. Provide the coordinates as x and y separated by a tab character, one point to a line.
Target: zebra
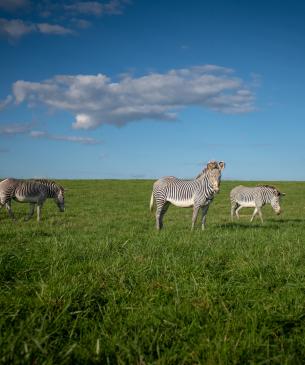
197	193
255	197
34	191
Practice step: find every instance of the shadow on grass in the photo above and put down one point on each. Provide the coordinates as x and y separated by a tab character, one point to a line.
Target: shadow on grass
284	326
243	225
282	220
268	224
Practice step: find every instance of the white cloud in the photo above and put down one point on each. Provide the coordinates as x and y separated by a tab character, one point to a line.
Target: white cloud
15	128
17	28
85	7
96	8
83	121
53	29
38	134
256	79
4	103
13	5
96	99
77	139
115	7
80	23
68	14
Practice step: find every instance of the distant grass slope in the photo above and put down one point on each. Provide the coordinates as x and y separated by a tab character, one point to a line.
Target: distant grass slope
98	283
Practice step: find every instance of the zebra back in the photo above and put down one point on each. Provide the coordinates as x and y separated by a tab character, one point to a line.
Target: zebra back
52	187
264	193
270	188
205	185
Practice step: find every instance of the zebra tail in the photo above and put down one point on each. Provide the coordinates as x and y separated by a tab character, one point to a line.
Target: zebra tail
151	202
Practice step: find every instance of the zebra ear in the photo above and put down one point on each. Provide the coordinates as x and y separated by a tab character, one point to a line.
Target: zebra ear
221	165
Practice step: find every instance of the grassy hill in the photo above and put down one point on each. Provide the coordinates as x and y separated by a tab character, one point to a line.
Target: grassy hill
98	283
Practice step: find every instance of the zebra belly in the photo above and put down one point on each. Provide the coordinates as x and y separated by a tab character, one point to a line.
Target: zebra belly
26	199
246	204
182	203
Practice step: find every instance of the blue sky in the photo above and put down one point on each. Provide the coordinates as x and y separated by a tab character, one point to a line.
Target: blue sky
143	89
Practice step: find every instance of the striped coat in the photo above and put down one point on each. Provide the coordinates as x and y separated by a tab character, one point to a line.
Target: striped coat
30	191
197	193
255	197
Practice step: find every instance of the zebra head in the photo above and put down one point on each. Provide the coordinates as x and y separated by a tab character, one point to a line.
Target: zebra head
275	200
60	199
213	170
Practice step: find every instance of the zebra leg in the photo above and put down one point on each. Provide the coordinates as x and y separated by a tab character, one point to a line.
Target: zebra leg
237	210
39	206
31	211
161	210
204	215
195	214
254	214
260	214
1	206
233	208
9	210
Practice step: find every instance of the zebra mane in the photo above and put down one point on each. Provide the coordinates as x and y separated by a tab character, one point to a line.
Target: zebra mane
201	173
50	183
272	187
210	165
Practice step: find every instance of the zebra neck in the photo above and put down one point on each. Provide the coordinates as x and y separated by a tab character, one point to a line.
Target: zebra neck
267	196
51	192
207	188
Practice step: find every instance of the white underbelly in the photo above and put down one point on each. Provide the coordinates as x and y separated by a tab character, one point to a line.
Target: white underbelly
246	204
182	203
23	199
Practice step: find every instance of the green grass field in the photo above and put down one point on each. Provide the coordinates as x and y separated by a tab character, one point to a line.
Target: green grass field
98	283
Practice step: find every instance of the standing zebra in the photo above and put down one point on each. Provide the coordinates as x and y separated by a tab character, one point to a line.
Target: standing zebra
197	193
30	191
255	197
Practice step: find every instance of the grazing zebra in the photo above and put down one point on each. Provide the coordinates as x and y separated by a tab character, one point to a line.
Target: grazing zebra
255	197
30	191
197	193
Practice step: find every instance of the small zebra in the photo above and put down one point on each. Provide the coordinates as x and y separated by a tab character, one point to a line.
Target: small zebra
34	191
197	193
255	197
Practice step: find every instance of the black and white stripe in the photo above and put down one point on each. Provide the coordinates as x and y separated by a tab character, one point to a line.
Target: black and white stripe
196	193
254	197
30	191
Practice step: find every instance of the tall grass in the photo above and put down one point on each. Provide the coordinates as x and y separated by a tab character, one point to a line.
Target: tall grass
98	283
